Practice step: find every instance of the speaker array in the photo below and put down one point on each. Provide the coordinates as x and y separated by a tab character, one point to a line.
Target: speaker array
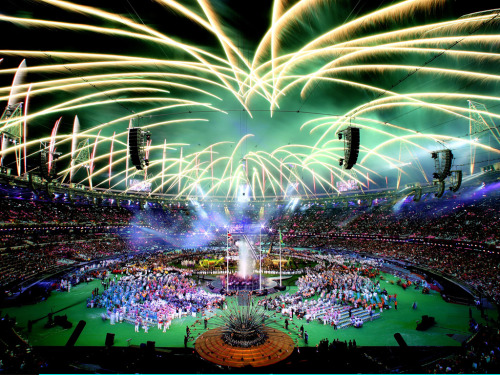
351	147
443	160
418	195
456	178
136	142
44	165
110	339
440	190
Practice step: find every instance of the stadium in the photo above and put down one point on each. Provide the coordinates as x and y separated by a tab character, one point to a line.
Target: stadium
288	186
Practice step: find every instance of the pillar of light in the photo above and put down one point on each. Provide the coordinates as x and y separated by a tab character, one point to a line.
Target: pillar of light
260	257
227	258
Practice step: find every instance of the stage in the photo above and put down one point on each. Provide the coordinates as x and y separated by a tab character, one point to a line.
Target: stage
276	348
217	285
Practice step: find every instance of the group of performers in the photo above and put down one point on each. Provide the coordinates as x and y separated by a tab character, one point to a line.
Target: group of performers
237	282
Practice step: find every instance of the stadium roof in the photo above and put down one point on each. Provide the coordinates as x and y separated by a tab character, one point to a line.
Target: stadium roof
249	96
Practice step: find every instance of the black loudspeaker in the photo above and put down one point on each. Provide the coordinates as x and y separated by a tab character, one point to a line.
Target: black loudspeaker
401	341
135	147
448	158
457	177
426	323
351	147
440	190
137	141
418	195
44	164
443	161
30	181
110	339
62	320
150	345
76	333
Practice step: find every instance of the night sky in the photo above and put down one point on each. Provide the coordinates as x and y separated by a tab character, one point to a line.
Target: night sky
437	71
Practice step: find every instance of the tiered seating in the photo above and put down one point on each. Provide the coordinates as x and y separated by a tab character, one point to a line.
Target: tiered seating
344	318
320	315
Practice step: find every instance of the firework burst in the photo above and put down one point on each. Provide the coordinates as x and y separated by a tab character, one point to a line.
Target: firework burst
234	99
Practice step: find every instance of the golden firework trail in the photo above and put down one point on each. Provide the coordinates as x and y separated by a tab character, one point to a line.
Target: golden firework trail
402	83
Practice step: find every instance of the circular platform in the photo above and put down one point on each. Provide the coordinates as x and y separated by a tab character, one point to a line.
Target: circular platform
276	348
267	283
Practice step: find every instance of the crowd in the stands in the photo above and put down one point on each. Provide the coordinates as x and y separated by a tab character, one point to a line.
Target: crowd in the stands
470	217
475	219
16	211
147	295
17	265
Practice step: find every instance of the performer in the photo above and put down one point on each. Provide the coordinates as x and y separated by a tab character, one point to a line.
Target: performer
137	323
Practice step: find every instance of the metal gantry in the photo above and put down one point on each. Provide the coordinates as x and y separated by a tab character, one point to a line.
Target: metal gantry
11	133
480	124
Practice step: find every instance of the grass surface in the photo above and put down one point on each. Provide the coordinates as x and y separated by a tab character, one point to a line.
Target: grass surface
451	319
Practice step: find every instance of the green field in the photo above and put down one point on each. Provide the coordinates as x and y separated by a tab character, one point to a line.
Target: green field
451	321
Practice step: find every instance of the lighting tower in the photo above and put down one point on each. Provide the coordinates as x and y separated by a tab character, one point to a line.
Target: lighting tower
479	123
11	131
13	126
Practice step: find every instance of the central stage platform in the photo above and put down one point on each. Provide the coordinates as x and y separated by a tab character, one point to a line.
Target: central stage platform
276	348
269	285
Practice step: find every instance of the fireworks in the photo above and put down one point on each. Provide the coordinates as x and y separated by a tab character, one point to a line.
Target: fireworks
213	94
